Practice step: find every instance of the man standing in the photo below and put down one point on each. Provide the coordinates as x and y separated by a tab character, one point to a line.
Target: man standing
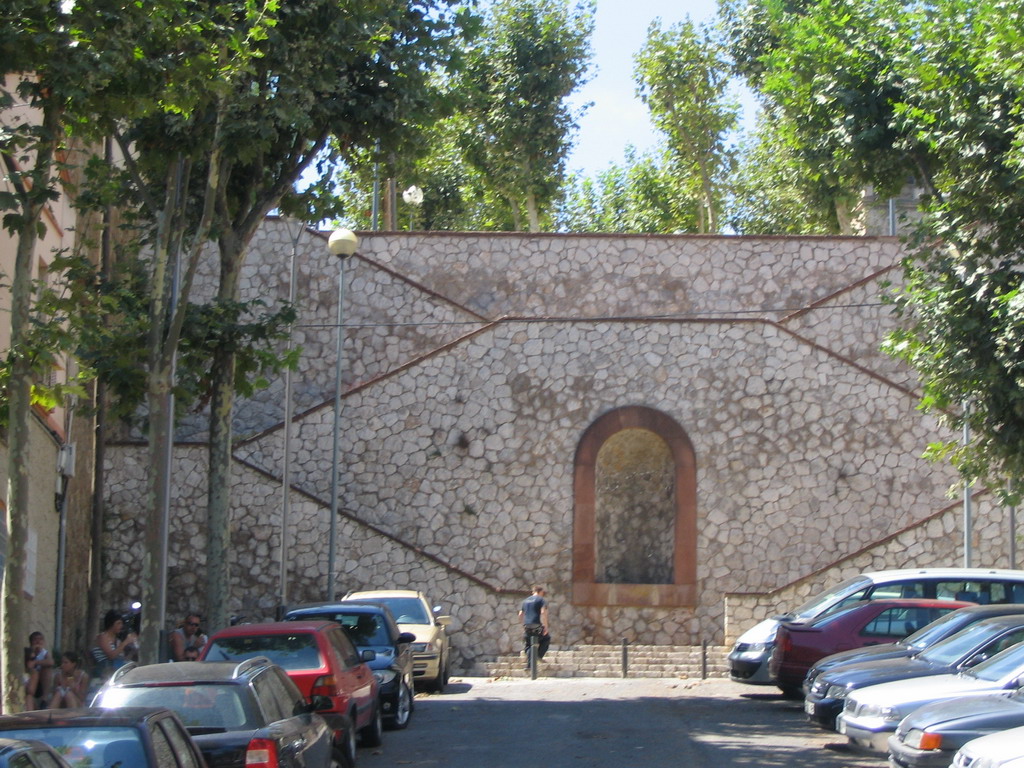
534	615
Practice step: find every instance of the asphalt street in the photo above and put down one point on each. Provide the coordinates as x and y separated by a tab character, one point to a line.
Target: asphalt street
609	723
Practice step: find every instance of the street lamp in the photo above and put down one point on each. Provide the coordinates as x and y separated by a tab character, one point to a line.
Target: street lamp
413	196
341	243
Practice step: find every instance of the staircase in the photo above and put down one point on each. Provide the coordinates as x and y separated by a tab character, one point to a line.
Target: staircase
687	662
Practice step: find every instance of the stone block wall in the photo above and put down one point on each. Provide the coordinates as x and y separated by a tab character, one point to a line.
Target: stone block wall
478	361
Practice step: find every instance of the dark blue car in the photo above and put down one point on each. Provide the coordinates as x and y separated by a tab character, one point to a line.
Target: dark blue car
371	627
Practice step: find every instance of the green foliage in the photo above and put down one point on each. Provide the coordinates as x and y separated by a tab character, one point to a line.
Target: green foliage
683	78
531	55
880	92
772	192
641	195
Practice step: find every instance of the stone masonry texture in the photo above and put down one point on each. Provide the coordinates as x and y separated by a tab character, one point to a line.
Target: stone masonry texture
472	365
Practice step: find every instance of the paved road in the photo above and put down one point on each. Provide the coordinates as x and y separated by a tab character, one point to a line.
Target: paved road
600	723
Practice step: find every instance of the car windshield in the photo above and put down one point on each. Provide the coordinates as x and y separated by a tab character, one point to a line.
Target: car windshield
1009	662
292	652
89	746
932	633
955	647
207	707
817	605
406	610
362	628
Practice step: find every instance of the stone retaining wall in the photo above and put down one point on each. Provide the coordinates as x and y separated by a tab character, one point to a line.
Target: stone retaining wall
478	361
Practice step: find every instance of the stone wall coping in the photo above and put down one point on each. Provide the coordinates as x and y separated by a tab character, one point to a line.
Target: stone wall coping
439	234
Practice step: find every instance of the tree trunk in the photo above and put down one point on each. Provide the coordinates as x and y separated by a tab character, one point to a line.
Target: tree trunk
218	547
14	537
15	628
532	214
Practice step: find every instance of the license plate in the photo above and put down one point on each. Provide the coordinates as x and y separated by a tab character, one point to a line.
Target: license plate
808	707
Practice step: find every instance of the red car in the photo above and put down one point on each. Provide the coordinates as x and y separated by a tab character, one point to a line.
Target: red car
799	645
319	657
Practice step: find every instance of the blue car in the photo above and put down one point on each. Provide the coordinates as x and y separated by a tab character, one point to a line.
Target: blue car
371	627
15	753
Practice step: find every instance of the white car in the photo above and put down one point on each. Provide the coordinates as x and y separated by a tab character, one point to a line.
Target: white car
748	661
413	613
871	714
997	750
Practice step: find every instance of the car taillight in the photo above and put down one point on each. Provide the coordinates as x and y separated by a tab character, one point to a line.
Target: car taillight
324	685
261	753
787	643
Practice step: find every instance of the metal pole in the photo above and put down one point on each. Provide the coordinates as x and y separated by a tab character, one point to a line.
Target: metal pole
286	479
165	510
335	450
534	638
968	521
625	657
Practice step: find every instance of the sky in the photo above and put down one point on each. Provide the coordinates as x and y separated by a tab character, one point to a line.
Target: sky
617	117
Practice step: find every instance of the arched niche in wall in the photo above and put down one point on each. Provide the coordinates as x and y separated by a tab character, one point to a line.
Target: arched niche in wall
635	515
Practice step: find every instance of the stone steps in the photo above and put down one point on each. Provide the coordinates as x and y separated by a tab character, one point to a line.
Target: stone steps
687	662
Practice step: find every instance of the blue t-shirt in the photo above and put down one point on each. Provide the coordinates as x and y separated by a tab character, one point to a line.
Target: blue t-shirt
531	609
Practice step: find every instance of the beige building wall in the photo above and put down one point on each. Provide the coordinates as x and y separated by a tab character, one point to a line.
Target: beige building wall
50	430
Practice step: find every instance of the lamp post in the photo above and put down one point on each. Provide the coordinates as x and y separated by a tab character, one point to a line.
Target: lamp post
341	243
286	478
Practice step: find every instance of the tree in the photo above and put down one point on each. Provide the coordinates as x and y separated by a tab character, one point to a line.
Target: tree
882	91
315	70
824	71
773	193
531	55
683	79
35	41
641	195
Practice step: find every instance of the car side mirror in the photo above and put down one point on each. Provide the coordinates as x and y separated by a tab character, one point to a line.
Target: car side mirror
443	621
368	654
406	637
319	704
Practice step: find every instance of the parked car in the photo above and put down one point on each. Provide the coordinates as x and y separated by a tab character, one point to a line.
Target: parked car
372	627
133	737
431	651
799	645
997	750
321	660
871	715
15	753
968	647
238	714
925	637
748	660
931	735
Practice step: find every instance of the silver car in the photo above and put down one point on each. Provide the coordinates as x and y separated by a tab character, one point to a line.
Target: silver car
871	714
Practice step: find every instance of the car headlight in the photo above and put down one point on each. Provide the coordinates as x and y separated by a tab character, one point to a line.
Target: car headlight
752	647
837	692
384	675
424	647
890	714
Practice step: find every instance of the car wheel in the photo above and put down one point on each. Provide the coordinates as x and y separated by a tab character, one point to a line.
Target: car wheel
403	709
792	693
344	752
373	734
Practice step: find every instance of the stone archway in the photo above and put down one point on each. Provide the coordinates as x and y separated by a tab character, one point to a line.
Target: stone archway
635	515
